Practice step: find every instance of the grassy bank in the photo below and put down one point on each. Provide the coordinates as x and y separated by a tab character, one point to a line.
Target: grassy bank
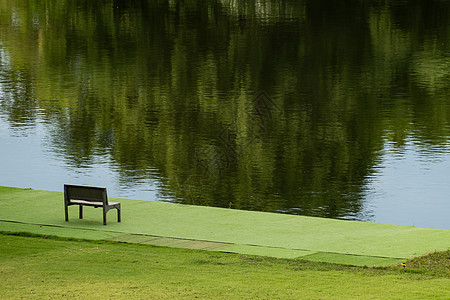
230	230
34	267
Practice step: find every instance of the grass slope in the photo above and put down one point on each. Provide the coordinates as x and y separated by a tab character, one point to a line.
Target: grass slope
244	232
32	267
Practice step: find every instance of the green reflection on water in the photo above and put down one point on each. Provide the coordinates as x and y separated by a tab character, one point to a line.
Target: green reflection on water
273	106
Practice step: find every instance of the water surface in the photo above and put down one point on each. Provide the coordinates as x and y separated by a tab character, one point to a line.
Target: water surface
303	107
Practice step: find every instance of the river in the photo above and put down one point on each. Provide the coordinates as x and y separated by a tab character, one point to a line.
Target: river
336	110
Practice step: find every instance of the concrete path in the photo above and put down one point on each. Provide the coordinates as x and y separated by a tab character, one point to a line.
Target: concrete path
219	229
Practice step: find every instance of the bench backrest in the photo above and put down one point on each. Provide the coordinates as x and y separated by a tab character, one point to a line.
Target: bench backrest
87	193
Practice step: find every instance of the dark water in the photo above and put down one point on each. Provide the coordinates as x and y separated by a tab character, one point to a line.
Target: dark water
338	109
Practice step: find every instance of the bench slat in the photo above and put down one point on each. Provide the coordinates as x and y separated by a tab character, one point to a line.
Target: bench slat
91	203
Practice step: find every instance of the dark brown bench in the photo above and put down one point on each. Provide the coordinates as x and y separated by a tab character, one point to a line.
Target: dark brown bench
88	196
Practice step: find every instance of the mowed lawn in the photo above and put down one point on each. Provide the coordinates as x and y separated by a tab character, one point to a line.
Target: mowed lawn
43	268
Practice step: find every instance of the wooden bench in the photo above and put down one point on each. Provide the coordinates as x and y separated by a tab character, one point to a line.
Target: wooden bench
88	196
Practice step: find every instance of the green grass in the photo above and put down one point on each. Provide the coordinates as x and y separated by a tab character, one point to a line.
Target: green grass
243	232
34	267
433	264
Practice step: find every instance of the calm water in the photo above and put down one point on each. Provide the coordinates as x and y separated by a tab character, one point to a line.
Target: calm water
338	110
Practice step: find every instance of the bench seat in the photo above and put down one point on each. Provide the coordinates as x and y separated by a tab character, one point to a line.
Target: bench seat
90	203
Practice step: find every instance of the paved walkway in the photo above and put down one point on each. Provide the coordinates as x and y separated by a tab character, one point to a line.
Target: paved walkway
220	229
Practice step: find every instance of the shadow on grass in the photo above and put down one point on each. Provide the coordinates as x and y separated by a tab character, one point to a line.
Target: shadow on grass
435	264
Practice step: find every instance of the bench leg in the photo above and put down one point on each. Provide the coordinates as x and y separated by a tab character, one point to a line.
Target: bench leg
66	211
81	211
118	215
104	216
